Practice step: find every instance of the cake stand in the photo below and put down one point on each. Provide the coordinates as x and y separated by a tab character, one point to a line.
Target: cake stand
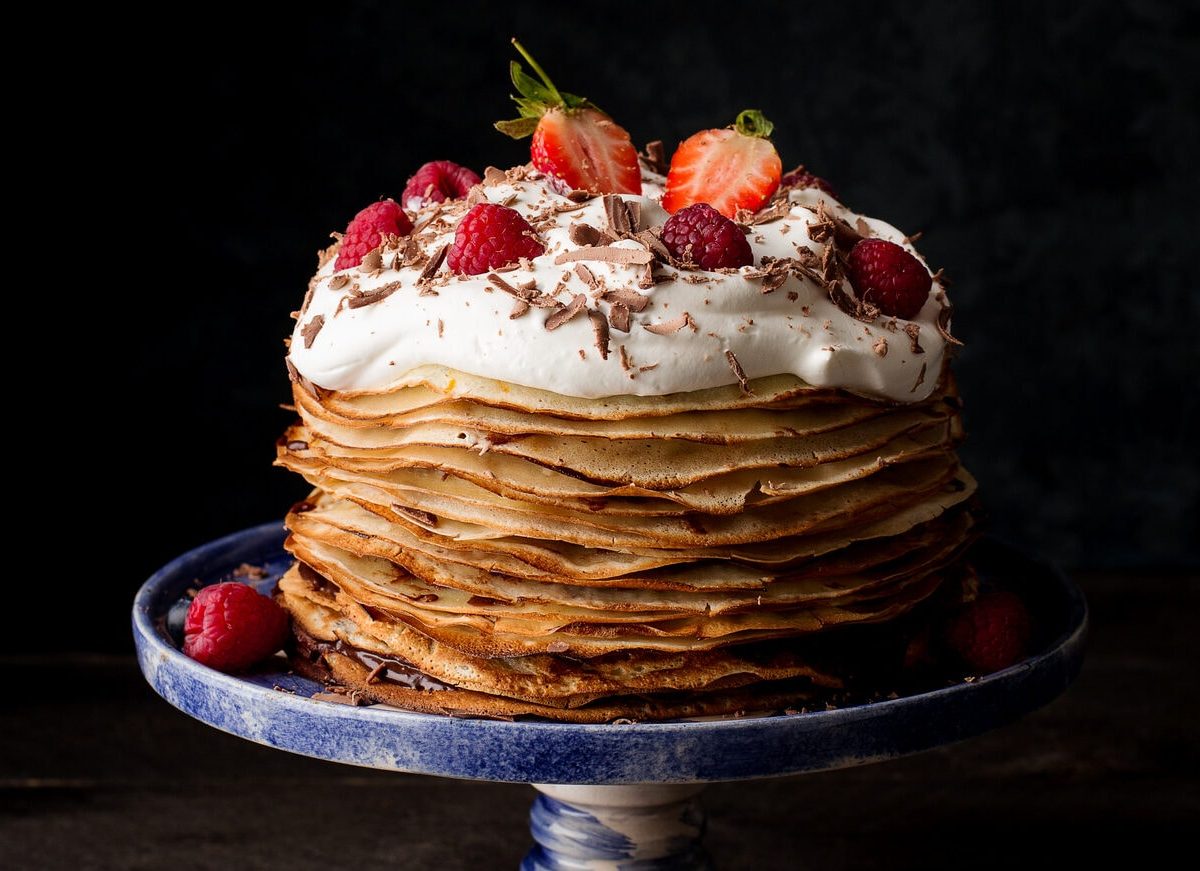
609	796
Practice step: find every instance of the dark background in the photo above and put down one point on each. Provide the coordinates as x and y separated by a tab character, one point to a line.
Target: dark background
1046	149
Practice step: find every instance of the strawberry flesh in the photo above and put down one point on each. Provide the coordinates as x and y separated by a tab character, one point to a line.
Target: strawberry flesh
586	150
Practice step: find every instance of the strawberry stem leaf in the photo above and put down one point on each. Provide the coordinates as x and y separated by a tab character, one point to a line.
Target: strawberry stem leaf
556	98
752	122
536	98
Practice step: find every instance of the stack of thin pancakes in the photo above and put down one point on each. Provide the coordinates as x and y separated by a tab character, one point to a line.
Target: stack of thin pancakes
479	548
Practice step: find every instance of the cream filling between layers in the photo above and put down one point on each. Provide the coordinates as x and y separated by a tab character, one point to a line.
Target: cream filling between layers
795	329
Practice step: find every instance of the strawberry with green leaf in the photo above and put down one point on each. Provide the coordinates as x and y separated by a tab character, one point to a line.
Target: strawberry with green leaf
573	140
730	169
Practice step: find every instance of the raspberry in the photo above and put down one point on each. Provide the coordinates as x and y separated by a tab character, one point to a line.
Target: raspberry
366	231
887	276
230	627
802	178
490	237
436	182
700	234
991	632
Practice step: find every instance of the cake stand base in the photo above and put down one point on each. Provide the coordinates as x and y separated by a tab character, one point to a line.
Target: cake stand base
646	826
619	796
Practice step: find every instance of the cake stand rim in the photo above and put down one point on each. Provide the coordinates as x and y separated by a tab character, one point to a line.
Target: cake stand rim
184	683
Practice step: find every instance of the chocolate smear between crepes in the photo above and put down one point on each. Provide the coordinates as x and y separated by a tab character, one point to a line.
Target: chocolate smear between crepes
373	296
600	330
914	335
416	514
667	328
309	331
567	312
739	373
606	254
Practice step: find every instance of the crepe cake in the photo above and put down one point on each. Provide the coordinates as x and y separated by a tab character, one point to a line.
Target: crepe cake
603	482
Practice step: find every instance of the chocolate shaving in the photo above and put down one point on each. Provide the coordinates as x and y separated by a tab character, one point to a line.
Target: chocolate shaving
296	378
493	176
618	316
830	227
943	323
863	228
739	373
416	514
578	196
781	208
372	262
600	330
523	293
667	328
624	219
631	299
880	347
606	254
373	296
309	331
441	328
519	308
339	281
655	157
475	196
654	243
585	234
920	379
435	263
567	312
625	364
585	275
914	335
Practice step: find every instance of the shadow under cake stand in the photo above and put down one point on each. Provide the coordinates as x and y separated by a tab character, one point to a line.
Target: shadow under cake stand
609	796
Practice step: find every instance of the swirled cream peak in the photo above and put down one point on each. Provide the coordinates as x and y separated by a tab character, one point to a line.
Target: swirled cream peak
542	324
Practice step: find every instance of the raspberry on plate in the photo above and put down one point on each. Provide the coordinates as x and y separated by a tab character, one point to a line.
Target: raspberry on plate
366	231
491	237
991	632
436	182
231	626
885	275
700	234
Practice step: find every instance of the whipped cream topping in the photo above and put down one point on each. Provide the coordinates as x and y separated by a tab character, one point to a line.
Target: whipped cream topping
463	322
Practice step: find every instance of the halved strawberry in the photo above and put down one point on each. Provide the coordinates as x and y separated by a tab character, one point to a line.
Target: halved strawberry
573	140
730	169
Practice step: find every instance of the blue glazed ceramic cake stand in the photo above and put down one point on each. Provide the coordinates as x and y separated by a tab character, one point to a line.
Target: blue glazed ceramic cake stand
610	796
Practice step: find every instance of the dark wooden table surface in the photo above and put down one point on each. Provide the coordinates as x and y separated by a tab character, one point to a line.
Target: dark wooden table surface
97	772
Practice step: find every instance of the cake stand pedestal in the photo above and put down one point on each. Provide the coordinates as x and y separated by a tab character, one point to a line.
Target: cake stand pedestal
609	796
